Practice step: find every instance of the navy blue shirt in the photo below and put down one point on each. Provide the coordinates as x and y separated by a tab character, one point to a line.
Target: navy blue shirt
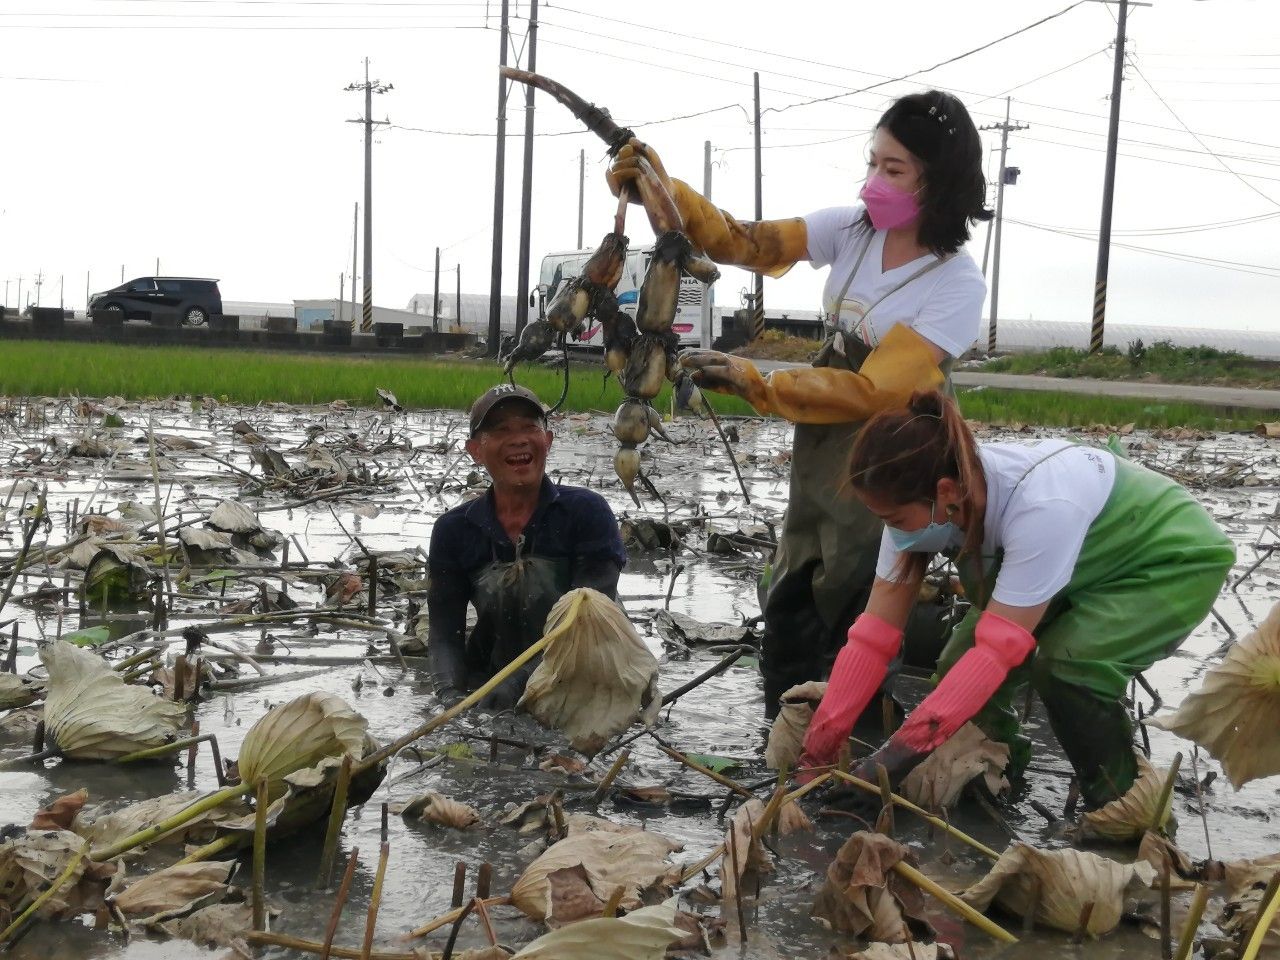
571	526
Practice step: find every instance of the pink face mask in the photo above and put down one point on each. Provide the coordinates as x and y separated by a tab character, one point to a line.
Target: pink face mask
887	205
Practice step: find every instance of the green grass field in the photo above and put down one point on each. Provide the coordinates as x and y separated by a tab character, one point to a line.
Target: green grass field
29	368
1159	361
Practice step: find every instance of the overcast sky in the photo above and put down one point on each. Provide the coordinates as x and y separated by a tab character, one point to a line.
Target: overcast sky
211	134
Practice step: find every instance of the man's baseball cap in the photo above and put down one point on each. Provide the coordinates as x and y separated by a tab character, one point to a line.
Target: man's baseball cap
502	393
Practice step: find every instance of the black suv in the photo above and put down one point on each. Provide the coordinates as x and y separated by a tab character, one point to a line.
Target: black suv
192	299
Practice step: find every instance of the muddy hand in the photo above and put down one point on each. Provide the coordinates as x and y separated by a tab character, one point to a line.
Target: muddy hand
626	169
722	373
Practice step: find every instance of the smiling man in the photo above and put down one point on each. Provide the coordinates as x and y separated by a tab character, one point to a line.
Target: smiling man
512	552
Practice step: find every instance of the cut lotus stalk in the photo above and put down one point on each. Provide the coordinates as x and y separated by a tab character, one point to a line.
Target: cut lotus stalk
336	814
1266	914
918	811
179	819
338	903
211	849
463	705
375	900
260	857
1163	805
954	903
1186	942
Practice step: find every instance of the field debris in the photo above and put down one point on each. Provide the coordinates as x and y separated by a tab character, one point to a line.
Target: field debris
294	553
937	783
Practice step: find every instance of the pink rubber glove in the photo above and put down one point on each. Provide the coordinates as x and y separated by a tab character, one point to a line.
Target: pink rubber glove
1000	645
858	672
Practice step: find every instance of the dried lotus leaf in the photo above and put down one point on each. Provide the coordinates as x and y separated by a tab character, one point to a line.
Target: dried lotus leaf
92	714
641	935
786	736
936	784
636	861
299	734
1236	711
1059	883
439	809
32	859
181	886
904	951
1128	817
596	675
231	516
16	691
864	896
750	858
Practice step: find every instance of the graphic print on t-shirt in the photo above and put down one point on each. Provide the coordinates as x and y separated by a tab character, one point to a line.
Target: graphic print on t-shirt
850	316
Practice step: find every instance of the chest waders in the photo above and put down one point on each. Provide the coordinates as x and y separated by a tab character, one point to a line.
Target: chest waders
512	600
1149	570
826	558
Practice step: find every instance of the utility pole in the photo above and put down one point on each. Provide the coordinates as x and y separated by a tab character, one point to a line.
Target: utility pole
369	88
1109	187
355	225
62	303
707	293
499	183
526	195
1004	129
757	303
582	179
39	283
20	303
435	297
342	297
457	306
157	266
86	295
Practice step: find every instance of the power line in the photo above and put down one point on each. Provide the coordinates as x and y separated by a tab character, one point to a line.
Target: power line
1171	231
1139	156
1257	269
942	63
1173	113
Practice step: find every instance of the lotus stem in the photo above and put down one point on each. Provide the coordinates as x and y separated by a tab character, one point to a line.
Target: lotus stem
311	946
61	881
337	813
263	801
1266	913
719	778
1164	803
451	917
614	769
886	798
953	903
733	460
721	667
920	812
211	849
339	902
475	697
1187	940
165	749
375	899
179	819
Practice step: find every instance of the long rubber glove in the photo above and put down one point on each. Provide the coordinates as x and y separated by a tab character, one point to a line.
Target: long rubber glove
902	364
771	247
999	646
859	670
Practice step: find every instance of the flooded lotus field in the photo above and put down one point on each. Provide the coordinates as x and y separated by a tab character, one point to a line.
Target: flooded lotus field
334	486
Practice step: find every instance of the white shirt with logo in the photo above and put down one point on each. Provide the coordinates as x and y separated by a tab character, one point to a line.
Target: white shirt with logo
1042	497
944	305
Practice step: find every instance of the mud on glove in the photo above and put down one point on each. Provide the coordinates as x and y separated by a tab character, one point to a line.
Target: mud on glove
1000	645
859	670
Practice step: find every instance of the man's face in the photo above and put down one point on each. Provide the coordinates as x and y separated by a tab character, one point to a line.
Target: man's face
512	445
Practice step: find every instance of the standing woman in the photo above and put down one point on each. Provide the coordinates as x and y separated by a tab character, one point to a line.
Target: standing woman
1083	570
901	301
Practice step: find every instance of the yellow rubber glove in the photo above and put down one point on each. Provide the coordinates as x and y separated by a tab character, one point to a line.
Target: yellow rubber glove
902	364
771	247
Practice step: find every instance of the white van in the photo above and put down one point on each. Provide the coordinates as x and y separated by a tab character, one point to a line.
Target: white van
697	300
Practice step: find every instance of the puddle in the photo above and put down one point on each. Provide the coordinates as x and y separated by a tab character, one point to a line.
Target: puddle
408	470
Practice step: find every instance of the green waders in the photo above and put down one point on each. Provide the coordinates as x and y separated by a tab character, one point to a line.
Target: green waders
1149	570
827	552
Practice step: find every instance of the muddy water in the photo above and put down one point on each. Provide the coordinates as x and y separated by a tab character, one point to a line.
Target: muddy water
413	460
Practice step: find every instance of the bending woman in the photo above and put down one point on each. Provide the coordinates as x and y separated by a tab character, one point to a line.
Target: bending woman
901	301
1083	569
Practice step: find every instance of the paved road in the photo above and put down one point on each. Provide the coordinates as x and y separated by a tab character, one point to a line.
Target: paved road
1141	389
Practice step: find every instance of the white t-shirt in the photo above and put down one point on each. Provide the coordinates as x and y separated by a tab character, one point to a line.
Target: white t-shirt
944	305
1040	522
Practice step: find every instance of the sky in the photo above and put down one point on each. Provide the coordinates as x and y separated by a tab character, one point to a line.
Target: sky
213	135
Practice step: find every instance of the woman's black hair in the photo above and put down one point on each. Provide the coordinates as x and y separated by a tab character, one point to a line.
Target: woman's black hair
937	129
